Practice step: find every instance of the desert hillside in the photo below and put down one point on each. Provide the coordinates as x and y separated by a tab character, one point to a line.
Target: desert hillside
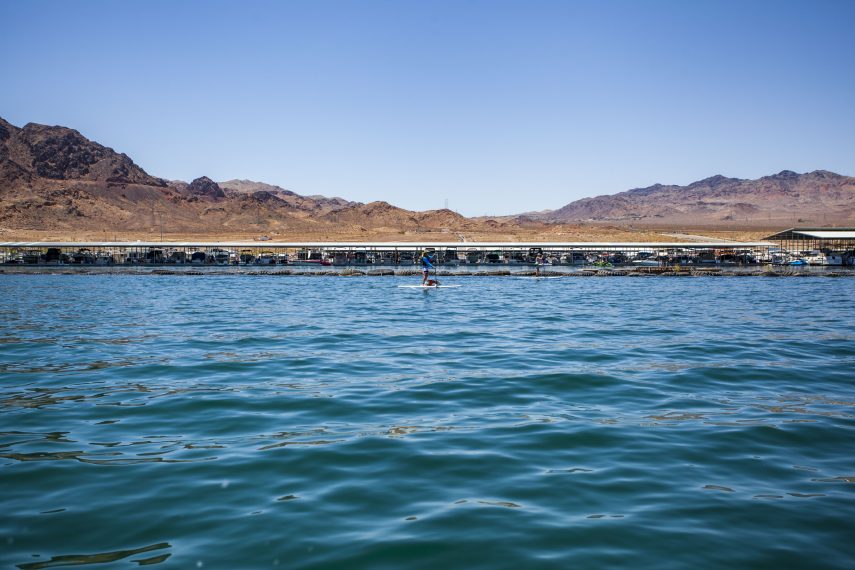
785	199
55	184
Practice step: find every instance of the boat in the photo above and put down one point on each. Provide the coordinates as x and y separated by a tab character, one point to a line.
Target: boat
154	255
15	258
494	257
316	258
449	256
266	258
83	257
315	262
576	258
707	258
817	257
104	258
31	256
221	256
177	257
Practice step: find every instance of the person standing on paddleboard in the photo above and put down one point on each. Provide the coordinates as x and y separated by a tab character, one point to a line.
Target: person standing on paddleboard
538	261
427	264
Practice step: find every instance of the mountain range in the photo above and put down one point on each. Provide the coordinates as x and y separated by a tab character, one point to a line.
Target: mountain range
816	198
53	180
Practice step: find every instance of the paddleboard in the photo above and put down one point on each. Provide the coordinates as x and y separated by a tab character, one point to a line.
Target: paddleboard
536	277
428	286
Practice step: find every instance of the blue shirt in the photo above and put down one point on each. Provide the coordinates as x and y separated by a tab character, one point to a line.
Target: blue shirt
426	261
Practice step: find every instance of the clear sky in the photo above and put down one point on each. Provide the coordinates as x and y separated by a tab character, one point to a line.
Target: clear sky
496	106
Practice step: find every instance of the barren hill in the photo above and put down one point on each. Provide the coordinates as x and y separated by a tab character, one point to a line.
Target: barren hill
57	184
53	179
786	198
311	204
59	153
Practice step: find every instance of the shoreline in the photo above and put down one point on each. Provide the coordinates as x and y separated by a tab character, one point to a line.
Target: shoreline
389	271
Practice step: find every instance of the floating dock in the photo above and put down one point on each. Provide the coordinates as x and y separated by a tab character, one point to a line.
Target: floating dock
838	250
376	253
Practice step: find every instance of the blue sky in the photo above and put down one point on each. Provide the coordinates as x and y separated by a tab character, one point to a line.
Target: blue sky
496	106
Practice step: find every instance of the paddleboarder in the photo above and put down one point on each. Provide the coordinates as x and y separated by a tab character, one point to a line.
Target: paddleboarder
427	260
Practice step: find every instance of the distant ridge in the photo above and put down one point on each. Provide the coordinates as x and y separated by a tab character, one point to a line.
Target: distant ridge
818	197
52	178
318	204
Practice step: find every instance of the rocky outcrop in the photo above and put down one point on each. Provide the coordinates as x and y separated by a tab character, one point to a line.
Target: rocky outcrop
313	205
206	188
60	153
263	196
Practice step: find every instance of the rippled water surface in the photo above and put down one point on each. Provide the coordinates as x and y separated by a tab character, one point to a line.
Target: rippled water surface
311	422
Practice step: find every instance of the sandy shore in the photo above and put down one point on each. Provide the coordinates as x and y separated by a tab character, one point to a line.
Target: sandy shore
557	233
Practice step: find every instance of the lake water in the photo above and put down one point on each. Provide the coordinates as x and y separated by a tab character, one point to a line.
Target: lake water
311	422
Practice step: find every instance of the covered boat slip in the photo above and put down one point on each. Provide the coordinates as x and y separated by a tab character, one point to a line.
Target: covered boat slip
815	246
808	239
383	253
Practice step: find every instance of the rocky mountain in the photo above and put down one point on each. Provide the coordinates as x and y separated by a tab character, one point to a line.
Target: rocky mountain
59	153
56	182
53	179
315	204
786	198
382	215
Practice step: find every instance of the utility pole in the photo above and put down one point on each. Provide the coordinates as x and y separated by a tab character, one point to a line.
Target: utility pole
160	214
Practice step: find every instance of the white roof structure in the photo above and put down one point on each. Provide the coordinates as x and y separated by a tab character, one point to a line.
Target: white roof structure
828	234
815	233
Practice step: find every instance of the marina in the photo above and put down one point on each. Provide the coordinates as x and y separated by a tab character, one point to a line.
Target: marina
413	285
795	247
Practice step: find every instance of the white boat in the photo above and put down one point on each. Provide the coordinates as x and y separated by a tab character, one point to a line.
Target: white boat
817	257
317	262
220	256
265	258
645	263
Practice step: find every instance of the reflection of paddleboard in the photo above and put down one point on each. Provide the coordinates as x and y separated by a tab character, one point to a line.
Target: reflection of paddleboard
536	277
427	286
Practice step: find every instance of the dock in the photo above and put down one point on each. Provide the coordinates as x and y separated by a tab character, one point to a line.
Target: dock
449	256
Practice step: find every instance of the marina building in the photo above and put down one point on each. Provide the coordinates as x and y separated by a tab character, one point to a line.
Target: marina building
796	246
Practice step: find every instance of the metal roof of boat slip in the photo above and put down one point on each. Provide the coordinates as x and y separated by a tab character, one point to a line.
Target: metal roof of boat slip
816	233
391	245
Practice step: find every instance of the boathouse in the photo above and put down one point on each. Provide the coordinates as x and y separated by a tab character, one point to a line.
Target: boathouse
815	239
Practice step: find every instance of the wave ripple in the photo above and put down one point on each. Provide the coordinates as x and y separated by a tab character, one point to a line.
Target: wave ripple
226	422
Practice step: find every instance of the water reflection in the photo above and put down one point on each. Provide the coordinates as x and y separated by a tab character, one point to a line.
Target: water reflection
101	558
340	424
